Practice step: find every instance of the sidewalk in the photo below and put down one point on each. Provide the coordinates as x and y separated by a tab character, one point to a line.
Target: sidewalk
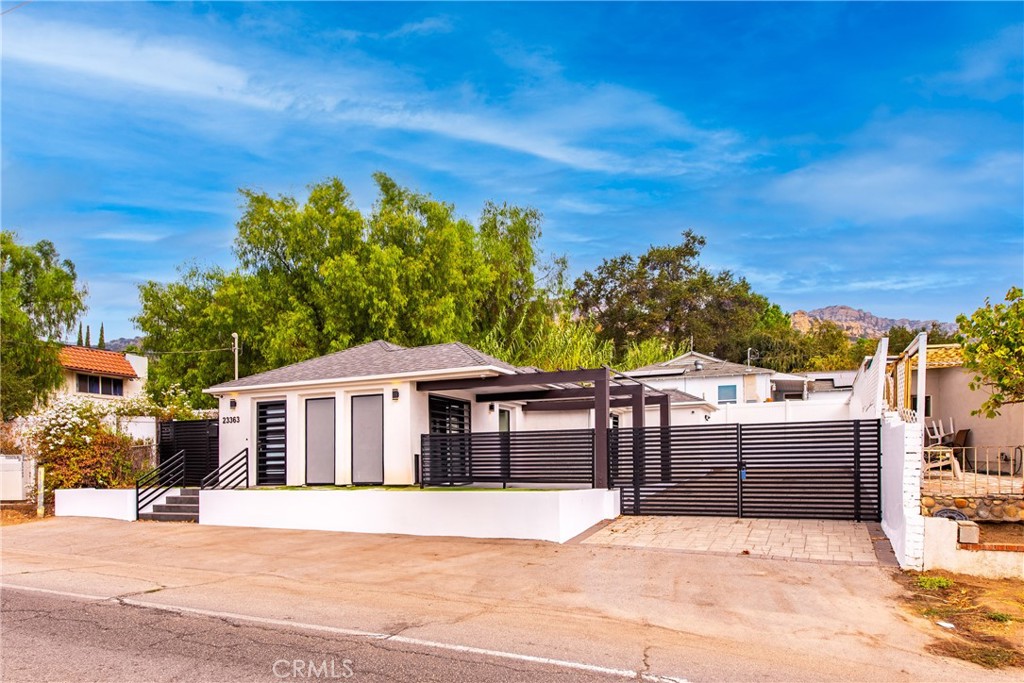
698	617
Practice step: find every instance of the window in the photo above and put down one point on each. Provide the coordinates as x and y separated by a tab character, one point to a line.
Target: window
927	405
107	386
449	415
727	393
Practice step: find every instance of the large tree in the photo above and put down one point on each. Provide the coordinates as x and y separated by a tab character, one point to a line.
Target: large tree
318	276
667	294
993	347
41	301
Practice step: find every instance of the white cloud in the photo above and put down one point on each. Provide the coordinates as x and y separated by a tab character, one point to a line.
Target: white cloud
143	236
158	64
906	168
990	70
549	117
428	26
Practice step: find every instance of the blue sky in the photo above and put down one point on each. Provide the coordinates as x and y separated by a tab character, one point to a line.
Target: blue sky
860	154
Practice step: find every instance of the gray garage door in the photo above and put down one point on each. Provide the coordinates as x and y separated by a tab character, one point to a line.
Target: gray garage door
320	441
368	439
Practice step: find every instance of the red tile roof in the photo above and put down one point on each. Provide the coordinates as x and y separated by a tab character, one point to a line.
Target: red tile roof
96	360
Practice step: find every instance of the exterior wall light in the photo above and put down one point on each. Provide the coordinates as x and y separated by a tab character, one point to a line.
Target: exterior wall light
233	403
394	394
490	408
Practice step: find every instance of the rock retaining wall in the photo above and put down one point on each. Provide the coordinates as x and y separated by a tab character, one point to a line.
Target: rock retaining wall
979	508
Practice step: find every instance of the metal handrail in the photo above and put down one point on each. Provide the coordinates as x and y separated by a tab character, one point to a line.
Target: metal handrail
230	475
162	478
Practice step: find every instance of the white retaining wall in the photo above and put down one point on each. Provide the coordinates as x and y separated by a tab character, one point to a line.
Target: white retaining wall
108	503
941	552
541	515
902	521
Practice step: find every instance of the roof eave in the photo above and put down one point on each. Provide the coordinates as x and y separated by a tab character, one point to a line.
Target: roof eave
468	371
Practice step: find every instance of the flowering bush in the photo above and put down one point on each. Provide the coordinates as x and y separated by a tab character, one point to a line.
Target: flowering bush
73	439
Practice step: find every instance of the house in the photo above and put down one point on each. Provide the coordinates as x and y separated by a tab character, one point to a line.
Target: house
950	400
101	375
714	380
364	415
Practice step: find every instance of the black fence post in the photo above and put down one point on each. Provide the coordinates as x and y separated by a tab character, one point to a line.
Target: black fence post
856	471
741	470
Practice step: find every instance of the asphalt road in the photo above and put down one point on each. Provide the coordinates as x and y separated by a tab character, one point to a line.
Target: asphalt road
681	615
54	638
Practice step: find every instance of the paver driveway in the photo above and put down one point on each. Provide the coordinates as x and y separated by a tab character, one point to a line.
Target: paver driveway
807	540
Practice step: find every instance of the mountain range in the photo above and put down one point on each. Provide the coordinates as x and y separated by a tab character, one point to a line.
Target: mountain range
857	323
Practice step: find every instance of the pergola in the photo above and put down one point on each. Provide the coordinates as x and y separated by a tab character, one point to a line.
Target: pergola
598	389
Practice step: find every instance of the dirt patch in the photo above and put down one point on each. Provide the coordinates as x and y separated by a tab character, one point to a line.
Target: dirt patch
986	615
16	516
1002	533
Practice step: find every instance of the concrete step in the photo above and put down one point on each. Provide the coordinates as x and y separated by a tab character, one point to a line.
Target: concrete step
171	507
182	500
170	516
188	492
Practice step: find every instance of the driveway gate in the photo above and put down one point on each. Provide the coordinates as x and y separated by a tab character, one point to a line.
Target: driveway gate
806	470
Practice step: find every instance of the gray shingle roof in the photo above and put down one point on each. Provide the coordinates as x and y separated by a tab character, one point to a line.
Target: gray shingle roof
374	358
686	363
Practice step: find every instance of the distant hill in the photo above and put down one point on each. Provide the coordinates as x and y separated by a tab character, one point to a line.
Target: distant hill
857	323
121	343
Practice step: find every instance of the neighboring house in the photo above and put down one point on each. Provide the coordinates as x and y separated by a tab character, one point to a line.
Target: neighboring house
714	380
102	375
948	396
358	416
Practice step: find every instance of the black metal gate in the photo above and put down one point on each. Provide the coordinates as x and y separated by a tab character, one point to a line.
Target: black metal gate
200	441
806	470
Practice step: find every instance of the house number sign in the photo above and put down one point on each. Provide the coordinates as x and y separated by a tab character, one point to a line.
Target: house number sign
230	419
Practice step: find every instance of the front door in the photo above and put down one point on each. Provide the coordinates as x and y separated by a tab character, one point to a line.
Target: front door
320	441
368	439
271	443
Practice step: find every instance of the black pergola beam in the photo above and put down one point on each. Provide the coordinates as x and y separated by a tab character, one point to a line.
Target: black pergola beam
548	394
517	380
536	406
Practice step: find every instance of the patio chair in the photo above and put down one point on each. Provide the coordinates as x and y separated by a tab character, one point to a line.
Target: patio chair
937	457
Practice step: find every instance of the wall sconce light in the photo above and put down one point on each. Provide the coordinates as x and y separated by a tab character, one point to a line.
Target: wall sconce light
233	403
490	408
394	394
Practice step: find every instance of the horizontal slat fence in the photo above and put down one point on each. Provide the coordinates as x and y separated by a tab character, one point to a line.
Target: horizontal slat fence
200	441
809	470
552	457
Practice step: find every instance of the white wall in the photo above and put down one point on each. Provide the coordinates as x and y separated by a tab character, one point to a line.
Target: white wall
107	503
867	401
541	515
941	552
902	521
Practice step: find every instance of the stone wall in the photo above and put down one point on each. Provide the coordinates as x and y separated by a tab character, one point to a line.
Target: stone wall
991	508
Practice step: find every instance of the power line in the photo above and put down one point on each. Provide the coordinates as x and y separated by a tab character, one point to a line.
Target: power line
11	9
165	353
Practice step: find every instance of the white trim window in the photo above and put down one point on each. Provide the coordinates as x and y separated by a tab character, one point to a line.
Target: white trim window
95	384
727	393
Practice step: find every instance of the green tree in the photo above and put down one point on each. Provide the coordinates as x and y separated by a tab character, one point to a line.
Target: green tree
79	342
41	301
317	276
88	343
666	294
101	343
992	339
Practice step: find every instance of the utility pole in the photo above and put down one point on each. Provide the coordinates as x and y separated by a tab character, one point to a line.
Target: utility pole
234	347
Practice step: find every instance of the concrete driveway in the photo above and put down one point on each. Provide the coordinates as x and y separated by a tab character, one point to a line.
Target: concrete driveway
801	540
689	616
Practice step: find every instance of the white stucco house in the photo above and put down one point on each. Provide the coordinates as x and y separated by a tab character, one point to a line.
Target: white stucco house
359	416
101	375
